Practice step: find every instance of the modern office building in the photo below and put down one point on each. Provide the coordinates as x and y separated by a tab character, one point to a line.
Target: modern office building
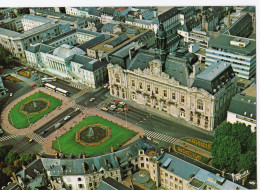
240	52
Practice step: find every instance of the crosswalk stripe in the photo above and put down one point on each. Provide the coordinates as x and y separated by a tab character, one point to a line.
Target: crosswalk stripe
159	136
35	137
5	138
41	152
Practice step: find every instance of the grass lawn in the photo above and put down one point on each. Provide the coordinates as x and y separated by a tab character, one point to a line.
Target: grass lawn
19	120
68	145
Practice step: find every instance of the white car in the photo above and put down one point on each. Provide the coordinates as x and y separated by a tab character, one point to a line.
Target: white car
11	94
67	118
113	106
1	131
92	99
122	103
77	109
57	125
104	109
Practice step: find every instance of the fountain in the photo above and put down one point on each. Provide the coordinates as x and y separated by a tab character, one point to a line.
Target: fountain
34	104
90	132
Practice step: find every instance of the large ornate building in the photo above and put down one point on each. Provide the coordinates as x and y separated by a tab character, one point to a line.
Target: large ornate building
174	83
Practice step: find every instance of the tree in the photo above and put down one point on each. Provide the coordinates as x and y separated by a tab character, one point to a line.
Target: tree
11	157
226	152
242	133
223	130
26	158
247	161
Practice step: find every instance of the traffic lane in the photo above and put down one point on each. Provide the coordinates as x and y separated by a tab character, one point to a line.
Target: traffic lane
64	85
62	121
54	120
152	122
99	96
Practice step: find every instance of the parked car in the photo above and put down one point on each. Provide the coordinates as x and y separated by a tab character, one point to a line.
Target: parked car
111	109
31	140
77	109
67	117
113	106
92	99
122	103
1	131
57	125
44	131
11	94
104	109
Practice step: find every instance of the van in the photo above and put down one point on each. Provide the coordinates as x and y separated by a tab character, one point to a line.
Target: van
57	125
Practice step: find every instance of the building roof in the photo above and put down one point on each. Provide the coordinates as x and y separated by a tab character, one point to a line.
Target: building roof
132	31
65	51
168	14
140	61
37	18
91	43
179	167
108	27
39	48
120	39
88	63
223	42
243	105
109	11
8	33
213	78
249	9
111	184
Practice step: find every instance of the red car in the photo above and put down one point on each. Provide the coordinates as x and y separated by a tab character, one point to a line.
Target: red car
34	85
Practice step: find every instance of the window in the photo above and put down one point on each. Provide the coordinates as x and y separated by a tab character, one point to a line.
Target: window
198	121
180	181
140	85
173	96
142	165
133	96
200	105
117	78
182	98
142	158
133	82
81	186
148	87
147	159
165	93
182	113
156	90
147	166
79	178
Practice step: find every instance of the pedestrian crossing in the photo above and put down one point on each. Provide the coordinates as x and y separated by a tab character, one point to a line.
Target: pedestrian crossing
77	86
41	152
78	106
5	138
159	136
35	137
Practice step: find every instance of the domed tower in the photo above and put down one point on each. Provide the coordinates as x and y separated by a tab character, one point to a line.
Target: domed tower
161	44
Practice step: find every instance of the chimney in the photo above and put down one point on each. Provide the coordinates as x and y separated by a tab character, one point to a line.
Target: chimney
15	177
228	24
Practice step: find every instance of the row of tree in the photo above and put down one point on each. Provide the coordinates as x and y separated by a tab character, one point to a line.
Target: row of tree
234	148
11	162
5	57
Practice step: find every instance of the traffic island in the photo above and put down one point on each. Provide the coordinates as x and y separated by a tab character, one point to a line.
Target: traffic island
81	139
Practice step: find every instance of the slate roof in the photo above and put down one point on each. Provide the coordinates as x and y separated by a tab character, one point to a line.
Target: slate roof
111	184
109	11
95	13
140	61
148	15
37	18
210	79
39	48
120	39
91	43
132	31
88	63
243	105
8	33
108	27
250	9
179	167
168	14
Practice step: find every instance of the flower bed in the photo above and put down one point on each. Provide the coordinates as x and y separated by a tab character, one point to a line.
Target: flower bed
206	145
79	140
25	74
192	154
39	99
12	78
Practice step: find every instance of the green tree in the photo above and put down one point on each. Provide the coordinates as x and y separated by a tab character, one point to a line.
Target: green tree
223	130
26	158
242	133
247	161
226	152
11	157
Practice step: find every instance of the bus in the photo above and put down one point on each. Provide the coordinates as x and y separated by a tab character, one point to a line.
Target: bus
62	91
50	86
50	79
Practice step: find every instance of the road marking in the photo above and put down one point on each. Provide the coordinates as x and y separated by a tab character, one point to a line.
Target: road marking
41	152
5	138
159	136
36	137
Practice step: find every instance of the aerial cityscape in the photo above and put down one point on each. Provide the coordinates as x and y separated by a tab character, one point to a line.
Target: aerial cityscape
118	98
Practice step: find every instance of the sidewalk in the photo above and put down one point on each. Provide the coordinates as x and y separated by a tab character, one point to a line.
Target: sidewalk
66	103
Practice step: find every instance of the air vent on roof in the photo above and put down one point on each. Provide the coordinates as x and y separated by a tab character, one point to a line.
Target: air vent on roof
251	115
249	101
244	113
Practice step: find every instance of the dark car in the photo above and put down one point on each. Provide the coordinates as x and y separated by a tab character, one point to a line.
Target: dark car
44	131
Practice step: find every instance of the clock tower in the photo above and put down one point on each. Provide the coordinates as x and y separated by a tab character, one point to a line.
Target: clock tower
161	44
